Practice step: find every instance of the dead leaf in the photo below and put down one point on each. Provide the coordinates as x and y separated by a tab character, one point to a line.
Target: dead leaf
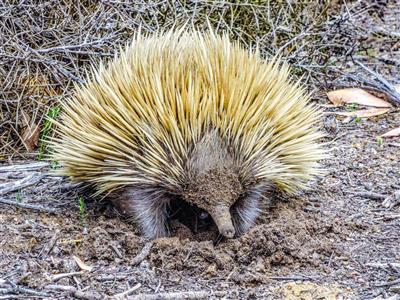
81	264
392	133
364	113
30	132
25	118
356	95
30	137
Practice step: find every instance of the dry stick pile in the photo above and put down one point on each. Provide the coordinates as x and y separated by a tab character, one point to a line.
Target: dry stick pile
45	47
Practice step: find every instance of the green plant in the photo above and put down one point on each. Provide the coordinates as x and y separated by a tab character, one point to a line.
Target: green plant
379	141
51	115
54	164
82	210
18	196
351	106
357	120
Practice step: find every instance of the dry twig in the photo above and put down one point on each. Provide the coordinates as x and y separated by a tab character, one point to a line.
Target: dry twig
143	254
125	294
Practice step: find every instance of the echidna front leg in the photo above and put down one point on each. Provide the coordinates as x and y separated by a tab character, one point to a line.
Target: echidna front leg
147	207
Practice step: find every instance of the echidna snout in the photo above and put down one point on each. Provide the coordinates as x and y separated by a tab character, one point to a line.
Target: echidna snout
222	218
214	183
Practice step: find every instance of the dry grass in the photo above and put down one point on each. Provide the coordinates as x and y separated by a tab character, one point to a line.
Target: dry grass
46	47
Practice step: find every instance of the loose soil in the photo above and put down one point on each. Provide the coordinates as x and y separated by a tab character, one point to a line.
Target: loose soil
333	238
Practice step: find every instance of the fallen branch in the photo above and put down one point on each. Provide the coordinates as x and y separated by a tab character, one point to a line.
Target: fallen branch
394	289
388	217
75	292
389	283
179	295
16	289
63	288
24	167
28	206
383	265
370	195
30	180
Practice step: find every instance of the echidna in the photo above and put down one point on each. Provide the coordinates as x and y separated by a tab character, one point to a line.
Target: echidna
193	116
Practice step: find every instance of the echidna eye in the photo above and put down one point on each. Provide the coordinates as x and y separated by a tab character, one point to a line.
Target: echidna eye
203	215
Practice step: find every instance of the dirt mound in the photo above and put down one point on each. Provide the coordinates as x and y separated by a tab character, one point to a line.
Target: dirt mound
287	237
